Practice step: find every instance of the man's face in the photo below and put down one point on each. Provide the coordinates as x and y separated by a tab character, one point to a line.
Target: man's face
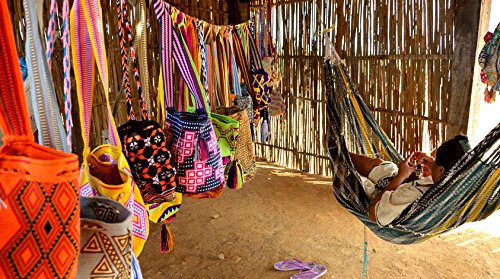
436	171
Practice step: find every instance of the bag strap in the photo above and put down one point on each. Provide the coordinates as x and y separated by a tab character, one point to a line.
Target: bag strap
242	63
14	118
142	39
86	25
236	76
255	60
124	30
51	29
45	108
173	47
203	53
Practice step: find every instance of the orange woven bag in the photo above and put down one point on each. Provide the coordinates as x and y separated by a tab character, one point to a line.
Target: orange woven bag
39	201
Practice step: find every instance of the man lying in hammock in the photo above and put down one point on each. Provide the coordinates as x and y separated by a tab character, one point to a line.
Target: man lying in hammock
393	188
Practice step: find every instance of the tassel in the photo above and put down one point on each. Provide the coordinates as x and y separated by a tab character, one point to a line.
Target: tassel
203	148
232	177
166	240
241	181
264	131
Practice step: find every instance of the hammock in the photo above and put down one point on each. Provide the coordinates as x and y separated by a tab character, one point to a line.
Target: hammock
468	192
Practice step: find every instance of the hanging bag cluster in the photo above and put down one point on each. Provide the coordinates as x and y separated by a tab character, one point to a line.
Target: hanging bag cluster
192	137
39	204
105	170
144	142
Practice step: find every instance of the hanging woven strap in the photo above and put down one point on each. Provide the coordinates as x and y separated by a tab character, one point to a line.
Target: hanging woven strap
49	124
172	46
235	74
124	61
255	59
142	39
51	29
86	25
203	53
124	30
14	117
223	66
243	64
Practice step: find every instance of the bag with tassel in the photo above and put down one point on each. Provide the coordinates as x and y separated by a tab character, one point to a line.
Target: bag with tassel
164	212
192	137
106	239
244	153
105	170
226	129
39	200
144	142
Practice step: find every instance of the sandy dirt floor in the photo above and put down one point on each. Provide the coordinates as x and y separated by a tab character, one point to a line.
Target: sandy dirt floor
283	214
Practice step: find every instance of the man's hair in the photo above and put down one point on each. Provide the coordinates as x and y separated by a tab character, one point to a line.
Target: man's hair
448	154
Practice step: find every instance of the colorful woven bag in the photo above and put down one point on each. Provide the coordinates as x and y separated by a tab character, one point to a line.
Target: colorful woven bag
192	137
226	131
277	107
144	142
39	204
105	170
106	239
244	154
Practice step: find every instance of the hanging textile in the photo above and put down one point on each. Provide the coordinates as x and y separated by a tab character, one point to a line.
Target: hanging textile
105	170
39	206
467	192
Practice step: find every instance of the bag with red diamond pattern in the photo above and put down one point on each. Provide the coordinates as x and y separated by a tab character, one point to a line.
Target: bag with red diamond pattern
192	138
39	200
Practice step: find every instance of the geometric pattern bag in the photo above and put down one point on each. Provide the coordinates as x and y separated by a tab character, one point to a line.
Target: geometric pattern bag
104	170
106	239
192	138
144	142
226	130
39	205
277	107
244	153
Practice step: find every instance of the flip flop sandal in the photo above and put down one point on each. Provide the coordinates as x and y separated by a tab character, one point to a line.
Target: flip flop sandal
293	264
314	273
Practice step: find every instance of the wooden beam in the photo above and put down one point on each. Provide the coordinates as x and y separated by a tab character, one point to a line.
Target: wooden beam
464	58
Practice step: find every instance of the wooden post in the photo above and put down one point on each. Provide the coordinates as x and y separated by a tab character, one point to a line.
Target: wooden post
477	85
464	58
238	11
233	7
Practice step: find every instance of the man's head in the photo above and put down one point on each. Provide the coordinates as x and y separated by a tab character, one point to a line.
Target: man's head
447	155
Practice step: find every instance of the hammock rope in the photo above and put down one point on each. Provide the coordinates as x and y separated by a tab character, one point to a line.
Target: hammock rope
468	192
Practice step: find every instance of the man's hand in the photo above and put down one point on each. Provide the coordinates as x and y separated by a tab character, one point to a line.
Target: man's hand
426	160
406	168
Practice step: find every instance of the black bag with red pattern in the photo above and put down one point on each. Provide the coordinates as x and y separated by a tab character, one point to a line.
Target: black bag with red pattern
144	143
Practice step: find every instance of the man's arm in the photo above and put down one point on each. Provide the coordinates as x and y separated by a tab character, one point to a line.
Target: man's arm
405	169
